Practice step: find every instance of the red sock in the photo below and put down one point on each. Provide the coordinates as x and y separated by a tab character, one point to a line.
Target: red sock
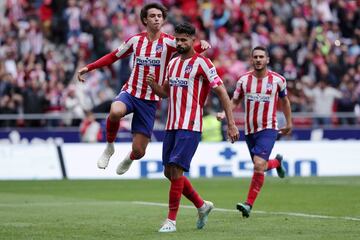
190	193
273	163
176	189
256	183
132	156
111	130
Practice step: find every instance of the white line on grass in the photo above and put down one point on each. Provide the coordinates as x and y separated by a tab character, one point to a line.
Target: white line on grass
96	203
292	214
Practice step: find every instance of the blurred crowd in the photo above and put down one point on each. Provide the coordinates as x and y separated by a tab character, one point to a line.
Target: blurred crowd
315	44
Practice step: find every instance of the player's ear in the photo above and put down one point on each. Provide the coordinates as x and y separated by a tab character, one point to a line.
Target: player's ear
267	60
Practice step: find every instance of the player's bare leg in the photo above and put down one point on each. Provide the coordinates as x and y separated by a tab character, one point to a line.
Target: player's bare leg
117	111
139	144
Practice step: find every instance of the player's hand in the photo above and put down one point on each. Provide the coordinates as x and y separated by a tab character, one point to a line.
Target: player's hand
220	116
150	79
81	72
286	130
204	44
233	133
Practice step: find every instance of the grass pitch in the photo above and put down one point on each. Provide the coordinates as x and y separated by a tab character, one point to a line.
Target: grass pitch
293	208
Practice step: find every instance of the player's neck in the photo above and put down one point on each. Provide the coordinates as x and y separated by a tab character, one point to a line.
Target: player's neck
187	55
152	35
260	73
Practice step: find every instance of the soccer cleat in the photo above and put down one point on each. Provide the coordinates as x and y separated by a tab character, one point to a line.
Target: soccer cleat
168	226
244	208
280	170
104	159
203	214
124	165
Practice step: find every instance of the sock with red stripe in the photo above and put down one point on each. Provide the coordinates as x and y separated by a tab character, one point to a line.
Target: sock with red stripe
273	163
176	188
111	130
190	193
257	182
132	156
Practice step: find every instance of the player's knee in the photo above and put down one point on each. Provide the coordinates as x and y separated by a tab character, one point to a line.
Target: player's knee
259	166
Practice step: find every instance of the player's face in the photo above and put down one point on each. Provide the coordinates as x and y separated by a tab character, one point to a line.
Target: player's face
184	43
154	19
259	60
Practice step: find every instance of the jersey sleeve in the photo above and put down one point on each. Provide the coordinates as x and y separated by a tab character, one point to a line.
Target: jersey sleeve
211	74
282	88
123	51
239	92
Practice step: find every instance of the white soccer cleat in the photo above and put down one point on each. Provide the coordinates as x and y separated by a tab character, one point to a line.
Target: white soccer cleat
104	159
203	214
124	165
168	226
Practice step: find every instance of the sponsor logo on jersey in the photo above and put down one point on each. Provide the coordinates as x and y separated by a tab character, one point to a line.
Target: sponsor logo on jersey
188	69
148	61
257	97
178	82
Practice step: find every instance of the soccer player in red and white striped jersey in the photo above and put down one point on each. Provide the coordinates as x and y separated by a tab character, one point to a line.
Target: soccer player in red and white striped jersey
152	52
261	90
189	79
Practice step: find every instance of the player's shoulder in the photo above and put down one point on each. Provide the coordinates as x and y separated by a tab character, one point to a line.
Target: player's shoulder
167	36
204	60
277	76
245	76
136	37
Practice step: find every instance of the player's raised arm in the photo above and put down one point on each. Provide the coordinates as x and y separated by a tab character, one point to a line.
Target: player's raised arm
161	91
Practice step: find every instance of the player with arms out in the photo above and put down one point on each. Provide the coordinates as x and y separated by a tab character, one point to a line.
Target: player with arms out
261	89
189	79
152	51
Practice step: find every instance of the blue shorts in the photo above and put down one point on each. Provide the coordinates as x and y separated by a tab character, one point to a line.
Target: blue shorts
179	147
261	143
144	113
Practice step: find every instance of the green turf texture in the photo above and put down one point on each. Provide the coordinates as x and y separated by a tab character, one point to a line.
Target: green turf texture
106	209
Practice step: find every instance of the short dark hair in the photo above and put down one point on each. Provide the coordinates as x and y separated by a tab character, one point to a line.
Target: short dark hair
262	48
186	28
144	11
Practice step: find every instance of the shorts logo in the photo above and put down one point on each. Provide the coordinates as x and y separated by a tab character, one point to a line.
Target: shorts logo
178	82
188	69
159	48
148	61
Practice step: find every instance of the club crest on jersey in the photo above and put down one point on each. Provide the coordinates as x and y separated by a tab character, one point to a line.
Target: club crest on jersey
159	48
269	87
188	69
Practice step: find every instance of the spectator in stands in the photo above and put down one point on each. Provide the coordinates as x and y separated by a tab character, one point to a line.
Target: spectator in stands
323	98
90	129
36	32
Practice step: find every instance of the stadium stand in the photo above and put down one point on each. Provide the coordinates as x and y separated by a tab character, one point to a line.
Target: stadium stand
314	44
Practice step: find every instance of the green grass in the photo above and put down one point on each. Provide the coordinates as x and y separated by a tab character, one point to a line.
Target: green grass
107	209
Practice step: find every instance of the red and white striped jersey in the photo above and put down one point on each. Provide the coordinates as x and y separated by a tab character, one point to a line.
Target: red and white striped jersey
149	57
190	82
261	96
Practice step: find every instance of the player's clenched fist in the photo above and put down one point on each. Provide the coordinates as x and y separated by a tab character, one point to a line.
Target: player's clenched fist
150	79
